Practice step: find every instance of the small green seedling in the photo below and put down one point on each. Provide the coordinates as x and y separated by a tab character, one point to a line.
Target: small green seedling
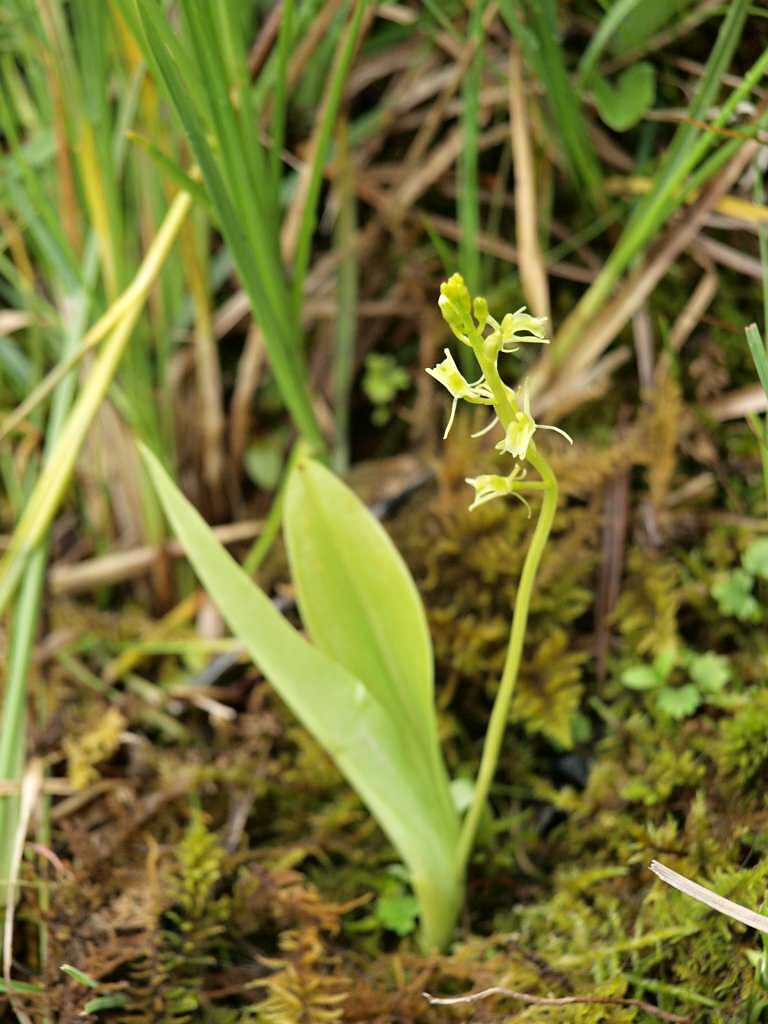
383	379
626	100
396	909
108	1001
734	591
706	675
364	686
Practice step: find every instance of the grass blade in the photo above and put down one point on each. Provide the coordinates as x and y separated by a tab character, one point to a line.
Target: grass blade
539	40
468	199
192	69
687	148
320	149
759	356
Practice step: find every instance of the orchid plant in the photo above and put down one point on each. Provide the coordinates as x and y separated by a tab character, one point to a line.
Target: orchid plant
364	685
470	321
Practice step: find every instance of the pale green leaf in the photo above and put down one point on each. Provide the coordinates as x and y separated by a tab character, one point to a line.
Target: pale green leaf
336	707
755	558
710	671
734	596
622	103
356	596
664	662
679	701
360	605
398	913
641	677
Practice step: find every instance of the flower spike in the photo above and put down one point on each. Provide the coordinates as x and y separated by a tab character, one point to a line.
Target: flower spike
471	321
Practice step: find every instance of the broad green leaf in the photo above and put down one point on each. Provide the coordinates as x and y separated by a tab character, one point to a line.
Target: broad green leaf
360	605
646	18
710	671
342	713
641	677
356	596
622	103
755	558
678	701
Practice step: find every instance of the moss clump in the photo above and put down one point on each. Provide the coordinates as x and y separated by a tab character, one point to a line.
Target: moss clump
742	753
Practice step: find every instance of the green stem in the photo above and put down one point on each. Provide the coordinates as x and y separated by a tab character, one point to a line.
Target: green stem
500	713
440	896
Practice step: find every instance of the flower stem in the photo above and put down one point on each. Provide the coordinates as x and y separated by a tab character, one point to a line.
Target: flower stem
500	712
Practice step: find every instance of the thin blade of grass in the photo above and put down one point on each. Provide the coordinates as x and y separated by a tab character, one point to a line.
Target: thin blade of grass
468	199
533	267
346	320
192	72
320	146
686	149
279	102
609	23
535	25
759	356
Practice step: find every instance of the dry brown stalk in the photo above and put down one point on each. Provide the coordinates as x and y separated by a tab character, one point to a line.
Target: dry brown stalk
496	247
694	309
120	566
533	270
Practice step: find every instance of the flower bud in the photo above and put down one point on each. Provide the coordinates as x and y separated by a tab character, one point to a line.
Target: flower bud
456	306
480	310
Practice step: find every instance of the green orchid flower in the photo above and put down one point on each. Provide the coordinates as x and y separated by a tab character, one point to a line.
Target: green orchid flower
448	374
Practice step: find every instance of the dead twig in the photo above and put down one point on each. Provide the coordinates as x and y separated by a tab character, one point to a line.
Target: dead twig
525	997
128	565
